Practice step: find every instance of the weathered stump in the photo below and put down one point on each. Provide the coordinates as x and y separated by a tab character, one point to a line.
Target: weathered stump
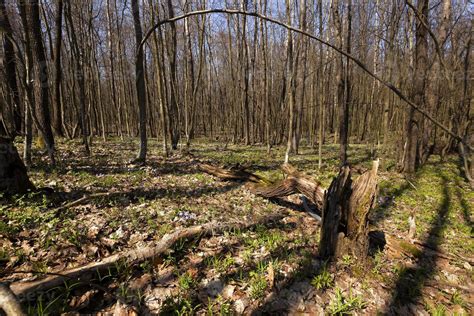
346	208
13	174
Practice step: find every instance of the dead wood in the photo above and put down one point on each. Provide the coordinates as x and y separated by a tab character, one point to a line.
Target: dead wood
83	200
345	224
26	290
9	303
13	175
335	202
295	182
234	174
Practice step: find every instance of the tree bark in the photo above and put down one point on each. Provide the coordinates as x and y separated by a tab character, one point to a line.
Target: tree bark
140	82
346	208
291	84
173	112
345	93
42	81
78	57
9	62
414	131
13	176
58	122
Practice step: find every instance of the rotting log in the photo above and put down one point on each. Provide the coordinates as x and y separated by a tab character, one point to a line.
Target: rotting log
295	182
345	225
25	291
13	174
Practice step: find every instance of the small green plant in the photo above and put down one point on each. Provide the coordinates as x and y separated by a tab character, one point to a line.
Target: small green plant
271	240
258	285
141	199
262	267
378	262
457	299
179	306
347	260
186	281
344	305
40	266
323	280
220	263
439	310
219	306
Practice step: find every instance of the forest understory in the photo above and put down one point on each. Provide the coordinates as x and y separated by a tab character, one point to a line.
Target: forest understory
270	266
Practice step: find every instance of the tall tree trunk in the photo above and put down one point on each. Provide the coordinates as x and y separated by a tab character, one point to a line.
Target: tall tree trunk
9	62
344	104
321	84
28	87
58	122
413	131
78	56
140	82
160	86
173	104
290	84
113	90
245	91
42	81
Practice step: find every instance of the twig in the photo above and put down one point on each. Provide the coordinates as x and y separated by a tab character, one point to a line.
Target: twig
82	200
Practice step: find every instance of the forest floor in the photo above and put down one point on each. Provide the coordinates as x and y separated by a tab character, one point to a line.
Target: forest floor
271	268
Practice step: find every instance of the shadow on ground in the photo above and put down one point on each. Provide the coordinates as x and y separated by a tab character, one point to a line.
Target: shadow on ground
410	282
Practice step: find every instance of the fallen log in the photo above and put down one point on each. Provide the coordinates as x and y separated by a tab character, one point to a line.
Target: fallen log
9	303
234	174
25	291
295	182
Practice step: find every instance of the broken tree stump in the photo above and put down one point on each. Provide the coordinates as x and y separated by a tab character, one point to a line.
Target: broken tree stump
13	174
336	200
347	203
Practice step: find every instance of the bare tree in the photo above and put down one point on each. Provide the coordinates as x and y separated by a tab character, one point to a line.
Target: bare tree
140	82
9	62
58	113
41	79
413	150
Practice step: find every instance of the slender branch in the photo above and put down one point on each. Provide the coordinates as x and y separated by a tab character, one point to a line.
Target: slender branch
389	85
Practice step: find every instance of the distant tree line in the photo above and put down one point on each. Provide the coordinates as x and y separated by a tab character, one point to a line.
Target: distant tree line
72	69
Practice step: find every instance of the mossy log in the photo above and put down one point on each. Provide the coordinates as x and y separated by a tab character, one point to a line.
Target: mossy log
347	203
13	174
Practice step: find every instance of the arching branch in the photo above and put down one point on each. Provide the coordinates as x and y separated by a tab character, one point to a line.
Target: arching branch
300	31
